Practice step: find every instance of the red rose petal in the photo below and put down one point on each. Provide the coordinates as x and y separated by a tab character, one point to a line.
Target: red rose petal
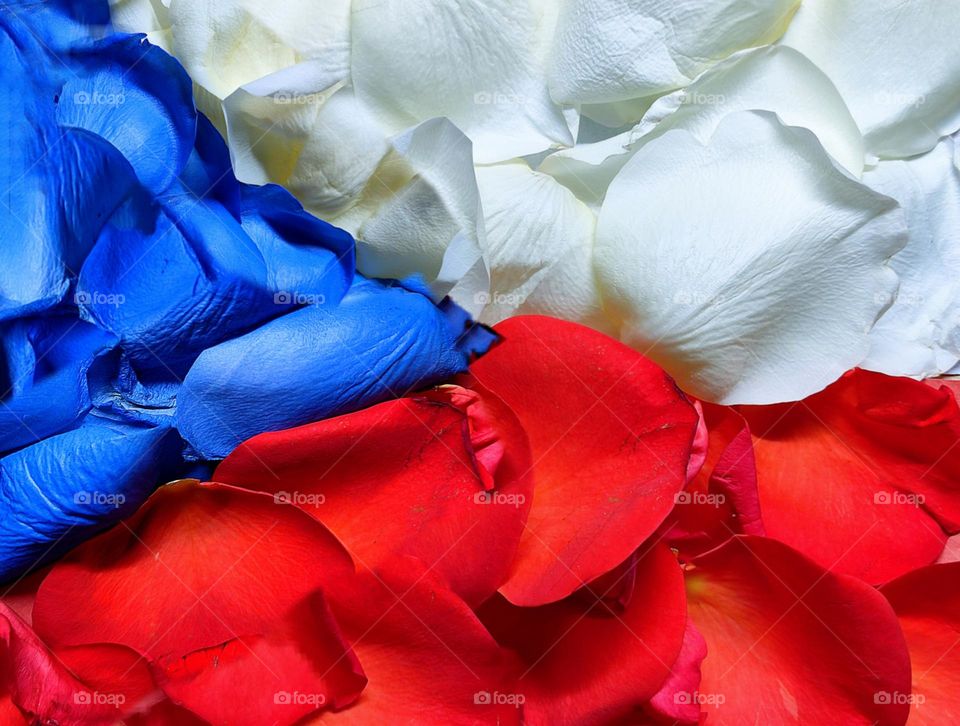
94	684
428	658
927	602
722	500
611	437
789	642
589	661
675	703
407	477
302	666
197	566
861	476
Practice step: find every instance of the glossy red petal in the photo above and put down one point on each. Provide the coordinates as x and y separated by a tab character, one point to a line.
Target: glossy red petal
862	477
791	643
429	660
611	437
301	666
588	661
444	476
197	566
95	684
927	602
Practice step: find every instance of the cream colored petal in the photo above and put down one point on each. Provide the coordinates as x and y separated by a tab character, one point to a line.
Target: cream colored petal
897	65
751	268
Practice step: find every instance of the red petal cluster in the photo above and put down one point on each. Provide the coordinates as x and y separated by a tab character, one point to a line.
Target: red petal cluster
561	537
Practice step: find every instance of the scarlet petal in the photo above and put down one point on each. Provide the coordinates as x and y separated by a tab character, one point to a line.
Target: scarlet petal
197	566
674	703
95	684
587	661
863	477
407	477
302	666
428	658
927	602
789	642
611	437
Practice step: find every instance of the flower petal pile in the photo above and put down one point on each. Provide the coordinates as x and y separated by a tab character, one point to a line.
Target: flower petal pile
589	547
621	184
153	310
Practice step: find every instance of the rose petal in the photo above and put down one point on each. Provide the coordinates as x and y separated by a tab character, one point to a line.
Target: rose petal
673	704
927	602
539	247
902	91
195	567
587	662
614	51
869	466
408	70
755	268
611	437
788	642
920	334
444	477
301	665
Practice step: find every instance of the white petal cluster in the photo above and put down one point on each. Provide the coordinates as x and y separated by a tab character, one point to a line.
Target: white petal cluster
758	195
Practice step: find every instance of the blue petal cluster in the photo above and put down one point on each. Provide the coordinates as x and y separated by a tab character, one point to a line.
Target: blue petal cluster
154	311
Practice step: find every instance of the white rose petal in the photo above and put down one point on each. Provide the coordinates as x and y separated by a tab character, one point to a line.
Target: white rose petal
539	245
752	269
476	62
420	213
920	334
897	65
616	50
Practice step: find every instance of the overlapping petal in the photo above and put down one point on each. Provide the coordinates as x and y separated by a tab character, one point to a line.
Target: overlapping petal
611	436
754	268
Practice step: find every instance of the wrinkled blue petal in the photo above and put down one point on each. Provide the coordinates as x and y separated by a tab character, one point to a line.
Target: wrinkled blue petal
62	490
138	98
208	173
381	342
49	361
